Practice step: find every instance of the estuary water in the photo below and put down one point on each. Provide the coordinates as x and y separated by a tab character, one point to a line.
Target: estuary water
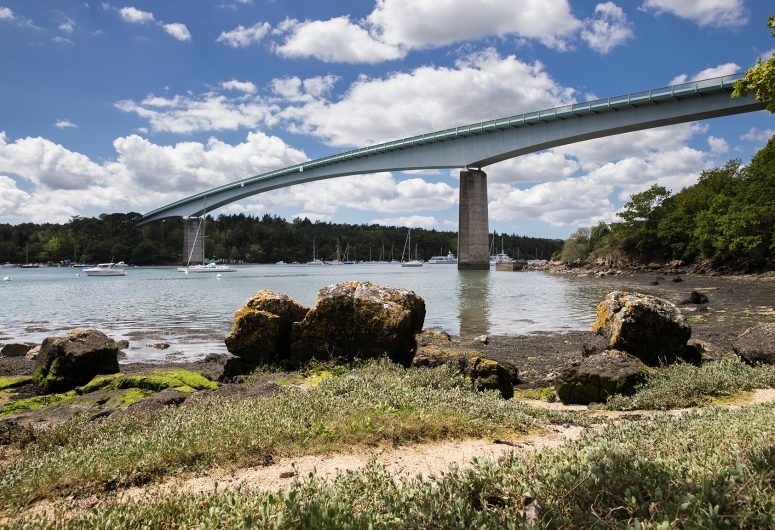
192	312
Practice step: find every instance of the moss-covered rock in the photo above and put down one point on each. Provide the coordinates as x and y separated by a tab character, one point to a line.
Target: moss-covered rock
651	329
261	329
594	378
436	349
182	380
359	320
72	360
14	381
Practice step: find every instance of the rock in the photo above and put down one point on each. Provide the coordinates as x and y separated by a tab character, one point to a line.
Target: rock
436	349
33	353
123	344
261	330
67	362
695	297
158	345
701	352
484	339
594	345
165	398
16	349
757	344
651	329
594	378
359	320
678	279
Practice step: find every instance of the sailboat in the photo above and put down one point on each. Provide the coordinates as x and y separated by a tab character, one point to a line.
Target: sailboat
410	262
315	261
27	264
502	257
204	267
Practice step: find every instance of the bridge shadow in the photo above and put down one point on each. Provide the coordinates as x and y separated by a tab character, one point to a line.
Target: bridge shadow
474	303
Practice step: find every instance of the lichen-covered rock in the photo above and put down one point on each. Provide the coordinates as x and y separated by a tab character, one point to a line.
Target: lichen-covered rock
359	320
701	352
260	332
757	344
67	362
436	349
594	378
651	329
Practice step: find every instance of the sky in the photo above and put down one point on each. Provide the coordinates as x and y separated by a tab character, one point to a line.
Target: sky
127	106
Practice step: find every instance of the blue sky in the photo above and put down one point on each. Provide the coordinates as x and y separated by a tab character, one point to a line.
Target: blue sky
127	106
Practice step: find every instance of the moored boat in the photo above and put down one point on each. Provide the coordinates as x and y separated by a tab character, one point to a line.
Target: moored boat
449	259
105	269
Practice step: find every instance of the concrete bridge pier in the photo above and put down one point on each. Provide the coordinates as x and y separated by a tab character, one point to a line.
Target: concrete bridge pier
473	229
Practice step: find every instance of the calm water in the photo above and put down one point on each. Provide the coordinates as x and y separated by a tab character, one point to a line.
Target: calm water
193	312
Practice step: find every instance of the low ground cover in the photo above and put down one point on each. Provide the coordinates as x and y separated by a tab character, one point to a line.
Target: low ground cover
706	469
376	403
685	385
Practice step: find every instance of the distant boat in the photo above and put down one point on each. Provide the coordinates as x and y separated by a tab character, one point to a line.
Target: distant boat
210	267
281	262
410	262
206	267
501	257
121	265
315	261
8	265
105	269
27	264
449	259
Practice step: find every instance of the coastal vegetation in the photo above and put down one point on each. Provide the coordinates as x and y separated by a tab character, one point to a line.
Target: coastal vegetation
265	239
725	218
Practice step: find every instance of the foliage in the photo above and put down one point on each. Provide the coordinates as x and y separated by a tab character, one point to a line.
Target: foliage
760	78
267	239
685	385
727	217
377	403
711	469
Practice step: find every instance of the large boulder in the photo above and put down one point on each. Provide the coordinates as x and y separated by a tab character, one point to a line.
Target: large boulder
436	349
260	332
651	329
16	349
757	344
594	378
73	360
359	320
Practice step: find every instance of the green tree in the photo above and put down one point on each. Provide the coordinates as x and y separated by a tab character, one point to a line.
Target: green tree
760	78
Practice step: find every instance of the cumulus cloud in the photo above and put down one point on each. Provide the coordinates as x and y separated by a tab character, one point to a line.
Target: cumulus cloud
717	145
67	25
209	112
241	86
478	87
607	29
713	13
708	73
412	221
6	13
132	15
757	135
242	37
64	124
335	40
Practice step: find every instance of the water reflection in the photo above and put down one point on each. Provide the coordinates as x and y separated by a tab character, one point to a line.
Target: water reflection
473	303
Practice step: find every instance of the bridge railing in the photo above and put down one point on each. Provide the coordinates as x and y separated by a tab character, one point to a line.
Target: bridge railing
520	120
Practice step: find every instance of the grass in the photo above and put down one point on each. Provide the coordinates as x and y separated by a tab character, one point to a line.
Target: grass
542	394
685	385
709	469
377	403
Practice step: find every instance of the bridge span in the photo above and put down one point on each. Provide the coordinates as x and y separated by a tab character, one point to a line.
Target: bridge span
473	147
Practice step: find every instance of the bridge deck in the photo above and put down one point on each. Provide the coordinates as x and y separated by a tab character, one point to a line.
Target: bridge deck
318	168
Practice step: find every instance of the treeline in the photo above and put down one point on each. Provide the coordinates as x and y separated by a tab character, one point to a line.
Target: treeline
727	217
267	239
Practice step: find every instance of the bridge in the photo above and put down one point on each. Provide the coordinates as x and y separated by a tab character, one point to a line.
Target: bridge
473	147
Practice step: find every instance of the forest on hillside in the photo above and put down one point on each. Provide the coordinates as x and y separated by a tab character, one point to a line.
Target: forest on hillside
727	218
266	239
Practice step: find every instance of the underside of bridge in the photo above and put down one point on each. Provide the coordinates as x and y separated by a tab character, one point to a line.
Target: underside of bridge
479	145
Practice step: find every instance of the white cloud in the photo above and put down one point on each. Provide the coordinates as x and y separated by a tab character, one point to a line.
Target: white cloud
11	197
67	25
136	16
334	40
64	124
534	167
758	135
241	86
717	145
412	221
178	31
6	13
242	37
428	98
708	73
431	23
609	28
713	13
209	112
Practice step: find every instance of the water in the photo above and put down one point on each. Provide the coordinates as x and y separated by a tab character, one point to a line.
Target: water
193	312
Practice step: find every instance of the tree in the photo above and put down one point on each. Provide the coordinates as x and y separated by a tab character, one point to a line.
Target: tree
760	78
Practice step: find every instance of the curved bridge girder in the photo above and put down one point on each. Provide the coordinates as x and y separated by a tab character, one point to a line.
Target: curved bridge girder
486	143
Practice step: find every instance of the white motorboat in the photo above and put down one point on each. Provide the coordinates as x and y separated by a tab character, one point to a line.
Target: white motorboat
449	259
210	267
121	265
105	269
